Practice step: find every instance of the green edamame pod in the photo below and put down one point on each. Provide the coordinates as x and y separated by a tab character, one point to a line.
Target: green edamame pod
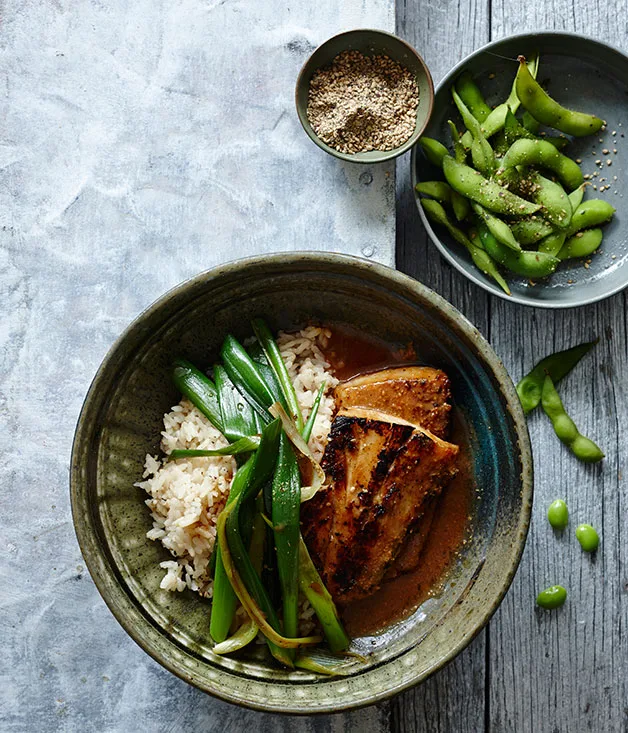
466	140
576	196
438	190
543	154
589	214
434	151
552	197
472	96
435	213
530	124
498	228
582	244
513	130
552	243
552	597
460	154
564	427
558	514
481	152
557	365
546	110
587	537
530	231
528	264
485	192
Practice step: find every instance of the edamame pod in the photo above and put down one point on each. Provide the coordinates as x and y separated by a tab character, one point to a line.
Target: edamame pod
557	365
530	124
552	197
472	96
564	427
513	130
485	192
576	196
530	231
443	192
581	244
543	154
546	110
481	152
435	213
589	214
498	228
460	154
552	243
434	151
526	263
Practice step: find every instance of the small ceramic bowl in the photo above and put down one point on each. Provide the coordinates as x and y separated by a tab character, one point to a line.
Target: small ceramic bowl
583	74
370	43
121	422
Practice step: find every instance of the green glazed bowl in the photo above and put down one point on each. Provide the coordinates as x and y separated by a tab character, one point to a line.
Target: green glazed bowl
121	422
371	43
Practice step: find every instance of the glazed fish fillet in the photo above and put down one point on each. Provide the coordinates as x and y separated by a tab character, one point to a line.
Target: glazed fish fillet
382	472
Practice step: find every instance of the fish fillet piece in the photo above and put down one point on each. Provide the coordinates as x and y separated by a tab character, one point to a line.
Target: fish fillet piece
382	471
419	395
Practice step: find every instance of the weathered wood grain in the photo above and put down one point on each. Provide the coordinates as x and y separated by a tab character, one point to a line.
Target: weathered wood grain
443	33
568	670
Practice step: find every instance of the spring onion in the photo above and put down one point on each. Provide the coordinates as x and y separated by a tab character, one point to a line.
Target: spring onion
199	389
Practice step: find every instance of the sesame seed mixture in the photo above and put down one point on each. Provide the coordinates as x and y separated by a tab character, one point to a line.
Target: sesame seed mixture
360	103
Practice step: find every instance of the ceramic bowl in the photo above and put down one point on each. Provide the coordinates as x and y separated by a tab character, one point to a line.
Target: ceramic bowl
582	74
121	422
370	43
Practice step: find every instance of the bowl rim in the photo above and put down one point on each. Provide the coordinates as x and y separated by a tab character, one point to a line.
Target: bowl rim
104	574
470	273
384	155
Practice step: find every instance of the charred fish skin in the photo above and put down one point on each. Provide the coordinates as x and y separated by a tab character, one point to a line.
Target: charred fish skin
381	473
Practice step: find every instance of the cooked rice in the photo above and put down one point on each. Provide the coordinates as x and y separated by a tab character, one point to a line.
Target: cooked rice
187	495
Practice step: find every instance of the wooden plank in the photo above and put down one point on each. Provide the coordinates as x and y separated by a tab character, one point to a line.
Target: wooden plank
567	670
443	33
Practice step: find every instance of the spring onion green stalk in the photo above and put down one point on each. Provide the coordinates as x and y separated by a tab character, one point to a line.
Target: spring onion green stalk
199	389
224	599
322	662
322	602
286	506
246	376
318	475
243	636
273	356
244	445
238	417
309	425
257	355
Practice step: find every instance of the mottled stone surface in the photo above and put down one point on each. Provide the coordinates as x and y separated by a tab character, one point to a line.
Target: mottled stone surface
141	143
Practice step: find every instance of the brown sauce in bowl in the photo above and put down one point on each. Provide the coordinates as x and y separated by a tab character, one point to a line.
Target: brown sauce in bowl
351	353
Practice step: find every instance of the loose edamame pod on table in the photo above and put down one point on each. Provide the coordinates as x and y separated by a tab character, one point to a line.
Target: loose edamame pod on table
582	447
435	213
484	191
557	365
526	263
558	514
587	537
552	597
543	154
546	110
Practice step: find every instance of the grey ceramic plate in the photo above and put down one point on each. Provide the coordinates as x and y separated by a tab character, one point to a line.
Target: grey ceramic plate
582	74
121	422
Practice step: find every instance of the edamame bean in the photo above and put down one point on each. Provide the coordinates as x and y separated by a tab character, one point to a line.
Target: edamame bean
587	537
546	110
435	213
552	597
589	214
557	365
558	514
486	192
564	427
472	96
434	151
582	244
543	154
498	228
528	264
